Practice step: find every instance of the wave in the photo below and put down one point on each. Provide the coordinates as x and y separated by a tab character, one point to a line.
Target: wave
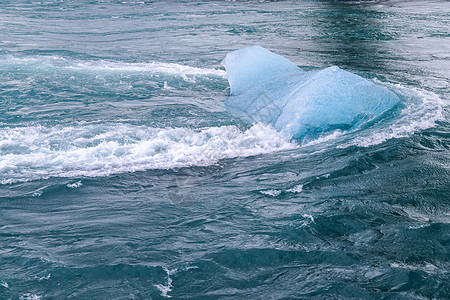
152	67
38	152
51	62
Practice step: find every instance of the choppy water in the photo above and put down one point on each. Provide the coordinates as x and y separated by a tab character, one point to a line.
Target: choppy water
122	176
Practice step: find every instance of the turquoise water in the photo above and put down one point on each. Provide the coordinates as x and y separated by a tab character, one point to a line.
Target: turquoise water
123	176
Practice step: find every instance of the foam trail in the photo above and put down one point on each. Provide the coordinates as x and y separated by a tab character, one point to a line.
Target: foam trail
49	62
38	152
153	67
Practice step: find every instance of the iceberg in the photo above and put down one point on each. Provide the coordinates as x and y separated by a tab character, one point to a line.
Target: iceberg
266	87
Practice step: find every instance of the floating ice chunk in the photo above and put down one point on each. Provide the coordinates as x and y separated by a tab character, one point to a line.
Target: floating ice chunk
266	87
333	99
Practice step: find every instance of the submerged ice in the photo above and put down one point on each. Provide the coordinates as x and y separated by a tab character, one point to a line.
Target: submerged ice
266	87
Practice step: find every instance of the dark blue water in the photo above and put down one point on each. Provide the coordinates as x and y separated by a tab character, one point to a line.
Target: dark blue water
123	176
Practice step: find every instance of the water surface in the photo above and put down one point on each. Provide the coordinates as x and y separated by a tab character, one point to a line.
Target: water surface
122	176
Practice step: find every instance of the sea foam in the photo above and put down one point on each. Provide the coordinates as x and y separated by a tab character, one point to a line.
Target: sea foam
99	66
38	152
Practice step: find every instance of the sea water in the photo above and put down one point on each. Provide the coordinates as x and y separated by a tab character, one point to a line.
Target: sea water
123	175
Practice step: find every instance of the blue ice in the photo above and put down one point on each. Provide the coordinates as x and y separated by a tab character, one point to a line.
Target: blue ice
266	87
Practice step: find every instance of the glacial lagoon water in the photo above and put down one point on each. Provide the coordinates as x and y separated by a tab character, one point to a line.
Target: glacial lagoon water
124	175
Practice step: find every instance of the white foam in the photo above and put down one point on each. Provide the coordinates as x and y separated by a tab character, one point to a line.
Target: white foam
296	189
4	284
325	138
30	296
45	62
165	289
153	67
272	193
308	219
92	150
36	194
74	185
47	277
311	218
323	176
425	266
